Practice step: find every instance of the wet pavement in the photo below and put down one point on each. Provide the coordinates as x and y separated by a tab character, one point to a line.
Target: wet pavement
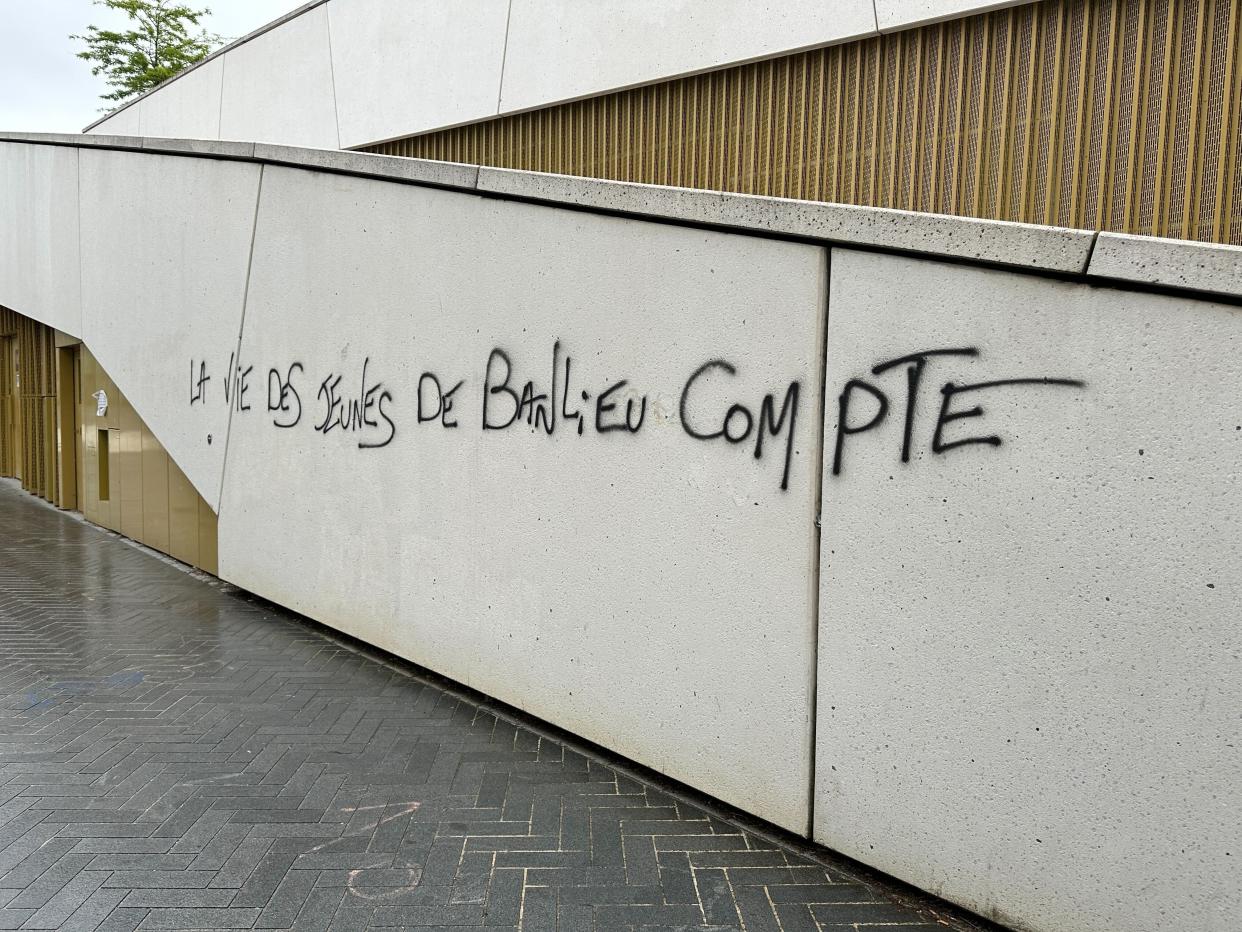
177	754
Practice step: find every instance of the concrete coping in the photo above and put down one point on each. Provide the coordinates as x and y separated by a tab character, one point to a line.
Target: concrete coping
1205	267
1215	268
1021	245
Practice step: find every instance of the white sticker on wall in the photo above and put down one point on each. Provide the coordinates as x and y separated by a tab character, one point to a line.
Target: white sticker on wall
101	397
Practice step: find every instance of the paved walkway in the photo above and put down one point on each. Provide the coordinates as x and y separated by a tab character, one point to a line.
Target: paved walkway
177	755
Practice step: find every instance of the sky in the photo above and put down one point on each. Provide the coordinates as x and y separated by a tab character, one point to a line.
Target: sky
45	88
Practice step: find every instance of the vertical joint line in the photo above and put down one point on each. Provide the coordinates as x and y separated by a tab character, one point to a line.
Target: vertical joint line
817	537
77	151
241	329
504	55
336	107
1086	266
224	59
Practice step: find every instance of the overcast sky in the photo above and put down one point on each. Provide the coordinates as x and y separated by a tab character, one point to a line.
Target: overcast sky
44	88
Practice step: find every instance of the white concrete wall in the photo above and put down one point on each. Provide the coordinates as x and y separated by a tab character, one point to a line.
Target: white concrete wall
576	575
280	89
1028	657
347	73
39	234
188	108
563	49
1029	653
165	271
418	63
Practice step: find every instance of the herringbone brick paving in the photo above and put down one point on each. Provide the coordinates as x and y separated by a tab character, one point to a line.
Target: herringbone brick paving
176	755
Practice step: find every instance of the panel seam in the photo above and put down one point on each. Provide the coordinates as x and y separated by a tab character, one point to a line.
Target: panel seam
504	58
336	106
241	329
220	109
81	288
817	548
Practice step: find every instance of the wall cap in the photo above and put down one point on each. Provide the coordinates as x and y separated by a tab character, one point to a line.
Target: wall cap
1180	264
1021	245
391	167
1211	267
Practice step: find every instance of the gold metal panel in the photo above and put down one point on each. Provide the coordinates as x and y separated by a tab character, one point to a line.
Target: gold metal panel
182	516
208	539
67	424
1112	114
129	467
155	504
111	467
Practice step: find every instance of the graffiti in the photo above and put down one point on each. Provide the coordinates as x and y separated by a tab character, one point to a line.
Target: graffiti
237	384
443	400
738	422
545	409
360	413
198	383
364	408
286	401
915	366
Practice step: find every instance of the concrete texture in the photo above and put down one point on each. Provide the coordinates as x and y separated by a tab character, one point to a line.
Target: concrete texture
393	168
1029	653
279	87
408	66
39	234
894	15
166	272
565	49
655	592
577	575
1018	244
1209	267
188	107
127	121
177	755
415	64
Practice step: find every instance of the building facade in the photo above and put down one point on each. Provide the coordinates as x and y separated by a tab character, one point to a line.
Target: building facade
826	405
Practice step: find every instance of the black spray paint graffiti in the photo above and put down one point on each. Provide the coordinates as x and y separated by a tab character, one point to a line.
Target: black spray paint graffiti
360	413
615	409
507	402
285	401
915	364
738	422
541	411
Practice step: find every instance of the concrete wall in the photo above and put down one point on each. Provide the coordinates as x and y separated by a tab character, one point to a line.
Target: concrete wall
1029	651
1016	643
346	73
154	283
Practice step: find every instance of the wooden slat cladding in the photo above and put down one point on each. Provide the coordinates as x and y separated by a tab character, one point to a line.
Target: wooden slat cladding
1099	114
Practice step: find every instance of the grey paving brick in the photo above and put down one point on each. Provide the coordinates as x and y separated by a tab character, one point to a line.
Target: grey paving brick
177	755
200	918
162	899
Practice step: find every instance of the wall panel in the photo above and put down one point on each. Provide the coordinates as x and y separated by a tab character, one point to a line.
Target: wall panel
415	63
629	586
191	220
564	49
39	242
1119	115
187	108
1029	648
279	87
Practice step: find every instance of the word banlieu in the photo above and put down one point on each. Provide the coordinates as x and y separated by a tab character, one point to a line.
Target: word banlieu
361	405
